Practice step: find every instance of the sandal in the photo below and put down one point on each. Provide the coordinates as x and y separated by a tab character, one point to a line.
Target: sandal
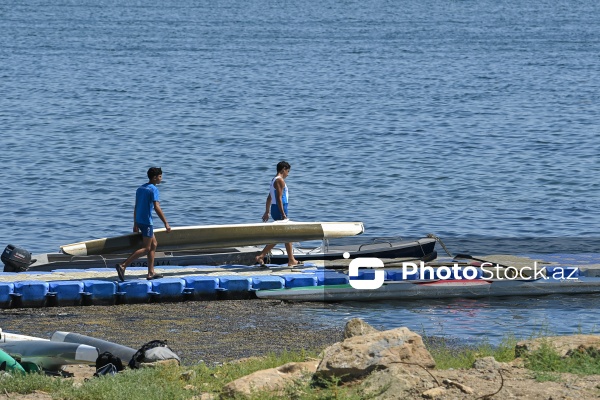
120	272
155	276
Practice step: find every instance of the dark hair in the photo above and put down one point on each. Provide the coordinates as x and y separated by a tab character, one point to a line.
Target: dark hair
154	171
281	165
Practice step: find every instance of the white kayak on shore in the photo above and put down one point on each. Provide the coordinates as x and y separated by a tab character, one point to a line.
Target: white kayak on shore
14	337
50	355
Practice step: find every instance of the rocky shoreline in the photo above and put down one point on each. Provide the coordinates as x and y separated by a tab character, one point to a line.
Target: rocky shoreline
395	364
382	364
211	331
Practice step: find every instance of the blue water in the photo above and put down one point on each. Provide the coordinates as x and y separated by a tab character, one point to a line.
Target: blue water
462	118
491	320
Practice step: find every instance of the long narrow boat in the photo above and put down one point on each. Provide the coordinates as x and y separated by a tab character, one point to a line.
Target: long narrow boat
409	249
434	289
220	256
6	337
123	352
421	249
210	236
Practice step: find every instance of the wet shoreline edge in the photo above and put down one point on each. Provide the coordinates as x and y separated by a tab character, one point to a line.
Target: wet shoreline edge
206	331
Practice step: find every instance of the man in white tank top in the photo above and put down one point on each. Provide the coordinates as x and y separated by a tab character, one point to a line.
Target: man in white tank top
277	206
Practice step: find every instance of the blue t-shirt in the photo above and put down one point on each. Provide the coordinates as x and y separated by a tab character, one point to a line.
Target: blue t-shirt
145	196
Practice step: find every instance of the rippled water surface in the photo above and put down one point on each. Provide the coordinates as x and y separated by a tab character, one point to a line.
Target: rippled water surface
456	117
476	320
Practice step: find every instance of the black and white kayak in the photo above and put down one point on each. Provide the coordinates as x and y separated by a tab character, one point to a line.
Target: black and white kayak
123	352
421	249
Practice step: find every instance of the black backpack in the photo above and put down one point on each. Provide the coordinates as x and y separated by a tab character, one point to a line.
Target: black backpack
109	358
108	364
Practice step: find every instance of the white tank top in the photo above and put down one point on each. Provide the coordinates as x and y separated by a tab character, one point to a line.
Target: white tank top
273	192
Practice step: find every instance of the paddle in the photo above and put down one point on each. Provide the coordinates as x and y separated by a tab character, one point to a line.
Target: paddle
470	257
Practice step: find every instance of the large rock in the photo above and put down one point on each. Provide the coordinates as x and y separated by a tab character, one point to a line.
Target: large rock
434	393
563	345
357	327
486	364
359	355
273	379
393	383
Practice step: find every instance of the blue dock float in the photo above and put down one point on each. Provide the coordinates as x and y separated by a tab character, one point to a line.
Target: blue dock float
6	289
201	287
300	280
29	294
167	289
365	274
267	282
98	292
65	293
234	287
396	275
330	278
134	291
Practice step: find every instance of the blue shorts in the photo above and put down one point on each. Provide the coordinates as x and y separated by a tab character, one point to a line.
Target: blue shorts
275	211
146	230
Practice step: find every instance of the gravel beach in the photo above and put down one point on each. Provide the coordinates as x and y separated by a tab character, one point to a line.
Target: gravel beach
209	331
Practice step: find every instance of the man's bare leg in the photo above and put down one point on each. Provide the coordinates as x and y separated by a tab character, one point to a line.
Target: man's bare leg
151	254
290	252
260	259
147	245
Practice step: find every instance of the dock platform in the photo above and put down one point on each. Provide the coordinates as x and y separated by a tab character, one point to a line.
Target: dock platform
100	286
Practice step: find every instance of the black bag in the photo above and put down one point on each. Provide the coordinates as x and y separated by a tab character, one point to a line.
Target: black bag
147	354
108	369
109	358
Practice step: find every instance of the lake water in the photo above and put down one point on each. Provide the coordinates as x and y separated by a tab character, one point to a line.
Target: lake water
462	118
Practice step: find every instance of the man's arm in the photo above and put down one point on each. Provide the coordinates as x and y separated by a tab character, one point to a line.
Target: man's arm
265	217
161	215
135	227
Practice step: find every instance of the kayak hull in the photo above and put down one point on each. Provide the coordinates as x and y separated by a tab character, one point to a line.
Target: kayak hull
416	250
435	289
50	355
211	236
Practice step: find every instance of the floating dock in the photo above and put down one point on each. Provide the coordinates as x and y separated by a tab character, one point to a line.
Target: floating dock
100	286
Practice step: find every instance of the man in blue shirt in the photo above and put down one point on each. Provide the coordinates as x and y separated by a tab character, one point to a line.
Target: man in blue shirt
146	200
